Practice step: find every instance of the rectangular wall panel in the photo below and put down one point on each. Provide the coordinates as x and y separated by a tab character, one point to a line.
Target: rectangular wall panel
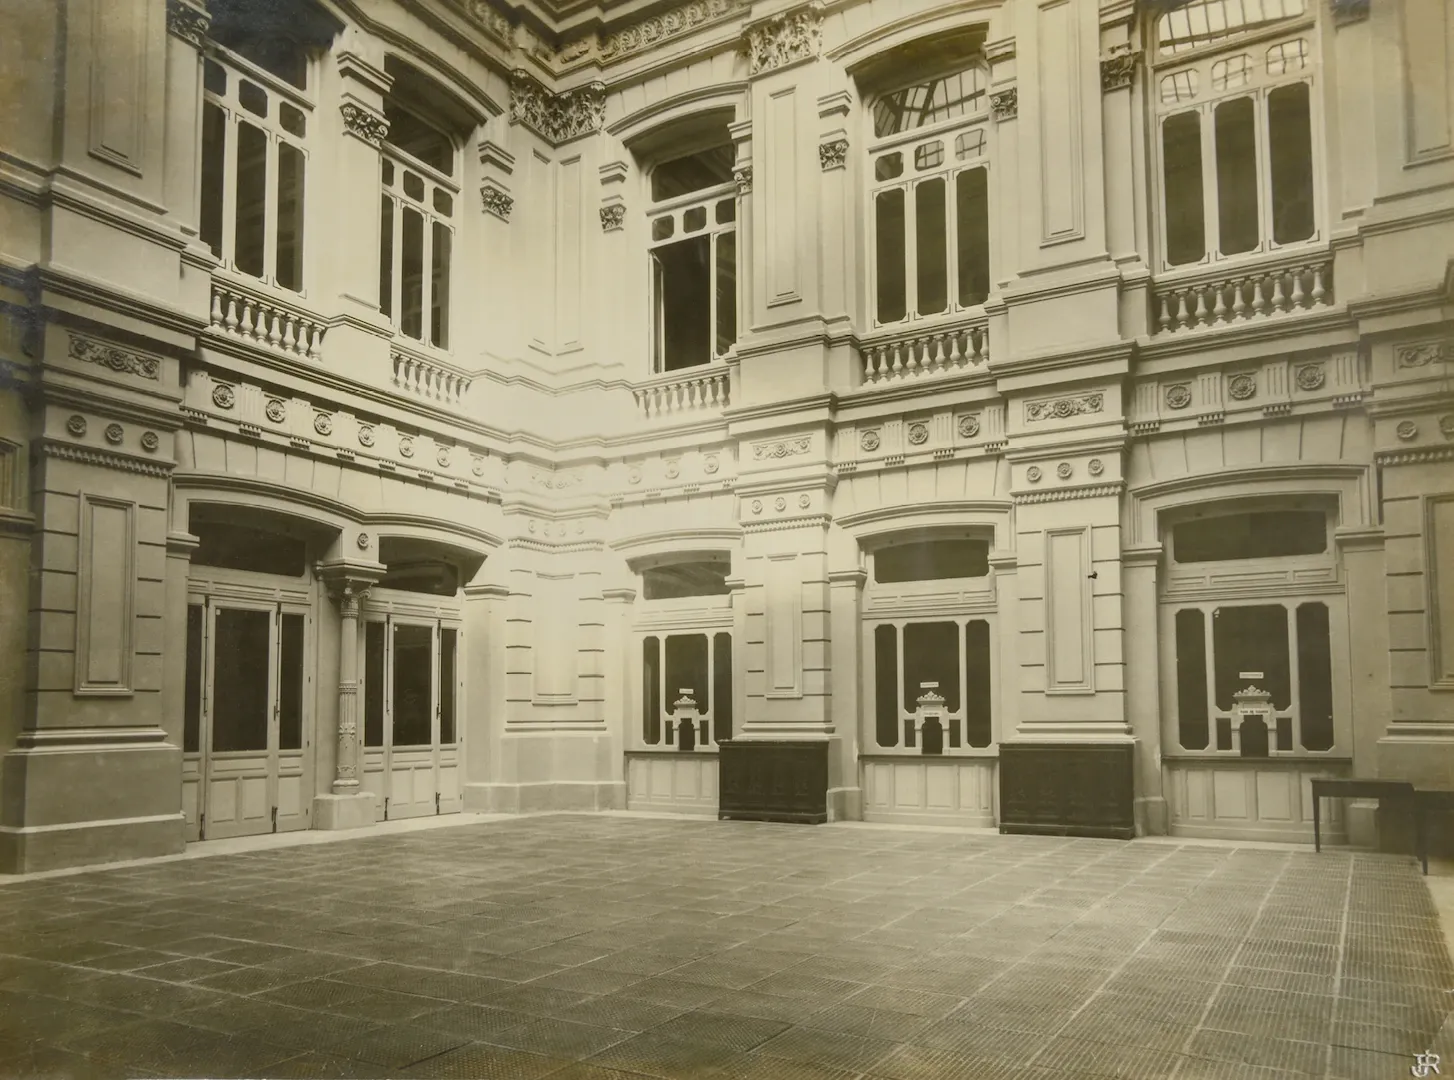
557	635
568	256
784	602
1427	29
118	68
1068	612
106	596
1058	36
781	183
1439	571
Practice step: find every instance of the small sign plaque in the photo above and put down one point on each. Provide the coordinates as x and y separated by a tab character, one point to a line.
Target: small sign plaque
928	686
1250	675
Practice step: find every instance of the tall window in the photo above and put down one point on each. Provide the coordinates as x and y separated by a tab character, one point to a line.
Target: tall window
693	252
1236	132
255	122
416	226
929	197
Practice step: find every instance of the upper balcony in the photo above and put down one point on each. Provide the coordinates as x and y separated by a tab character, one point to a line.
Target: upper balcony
907	352
687	395
1225	294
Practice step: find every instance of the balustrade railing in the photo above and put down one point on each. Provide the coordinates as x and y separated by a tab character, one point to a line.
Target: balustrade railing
1253	293
429	378
252	317
915	353
697	391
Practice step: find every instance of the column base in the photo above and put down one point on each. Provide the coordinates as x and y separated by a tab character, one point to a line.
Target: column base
773	780
560	795
1068	789
845	804
1151	816
334	812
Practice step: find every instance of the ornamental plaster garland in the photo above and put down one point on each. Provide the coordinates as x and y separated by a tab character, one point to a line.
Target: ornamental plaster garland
124	361
1064	408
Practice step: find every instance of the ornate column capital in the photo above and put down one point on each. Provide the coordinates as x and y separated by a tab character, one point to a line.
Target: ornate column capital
1005	104
556	118
496	201
188	21
1118	70
348	582
363	124
833	154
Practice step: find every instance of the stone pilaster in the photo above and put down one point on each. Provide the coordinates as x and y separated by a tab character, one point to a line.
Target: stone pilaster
1143	684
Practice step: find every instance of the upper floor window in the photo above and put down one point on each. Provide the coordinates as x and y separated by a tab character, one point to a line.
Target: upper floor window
416	227
1259	534
691	577
1236	138
929	190
255	162
693	252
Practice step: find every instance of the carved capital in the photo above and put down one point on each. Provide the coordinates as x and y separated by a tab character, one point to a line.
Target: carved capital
496	202
613	217
1118	70
784	39
743	175
833	155
556	118
363	124
348	582
188	22
1005	104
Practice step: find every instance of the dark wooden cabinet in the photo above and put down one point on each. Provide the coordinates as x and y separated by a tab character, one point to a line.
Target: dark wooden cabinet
1068	789
773	781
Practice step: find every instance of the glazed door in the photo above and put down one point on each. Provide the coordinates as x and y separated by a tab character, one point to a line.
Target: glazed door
253	774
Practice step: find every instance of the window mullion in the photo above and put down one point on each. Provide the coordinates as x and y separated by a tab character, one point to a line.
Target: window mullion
711	316
1261	136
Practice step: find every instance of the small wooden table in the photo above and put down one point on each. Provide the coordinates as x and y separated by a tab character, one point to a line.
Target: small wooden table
1332	788
1424	801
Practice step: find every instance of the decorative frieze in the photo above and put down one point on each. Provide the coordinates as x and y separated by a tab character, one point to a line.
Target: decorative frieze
781	448
613	217
1065	494
1310	377
968	426
86	455
784	39
493	22
1005	104
363	124
188	22
556	118
123	361
495	201
114	434
1423	354
833	155
1242	386
1118	70
653	32
1063	408
224	396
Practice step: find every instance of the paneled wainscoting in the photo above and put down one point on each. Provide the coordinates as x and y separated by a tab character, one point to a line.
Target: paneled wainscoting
929	791
1237	799
672	781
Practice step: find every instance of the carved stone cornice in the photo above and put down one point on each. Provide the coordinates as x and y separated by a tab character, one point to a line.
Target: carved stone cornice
363	124
556	118
1118	70
833	155
188	22
106	459
496	201
784	39
495	23
123	361
1064	494
1005	104
658	29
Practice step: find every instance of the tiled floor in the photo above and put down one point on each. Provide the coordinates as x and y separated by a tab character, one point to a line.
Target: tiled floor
601	948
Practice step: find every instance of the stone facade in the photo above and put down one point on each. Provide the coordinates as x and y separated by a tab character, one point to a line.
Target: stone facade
312	514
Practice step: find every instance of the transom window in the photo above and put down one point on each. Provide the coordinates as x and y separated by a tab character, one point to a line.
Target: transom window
1236	131
416	226
931	560
929	195
678	580
254	164
693	256
1258	534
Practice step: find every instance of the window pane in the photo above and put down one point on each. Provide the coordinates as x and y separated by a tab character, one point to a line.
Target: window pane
413	694
694	172
889	234
1251	640
931	654
971	193
933	239
701	577
1315	676
292	119
214	140
663	228
931	560
888	166
1181	153
886	684
970	144
1259	535
290	683
439	285
240	547
726	291
960	94
386	255
411	277
978	684
686	669
253	98
651	691
1201	22
1191	679
1232	72
373	703
726	211
192	694
240	680
290	217
930	155
722	687
1236	176
448	639
252	196
694	219
1290	146
214	77
443	203
418	139
1179	86
685	302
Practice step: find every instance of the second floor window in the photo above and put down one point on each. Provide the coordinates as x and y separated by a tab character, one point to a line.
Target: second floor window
929	192
693	253
416	227
254	164
1236	130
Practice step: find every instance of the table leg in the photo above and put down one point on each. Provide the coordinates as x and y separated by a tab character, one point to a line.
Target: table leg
1317	826
1419	836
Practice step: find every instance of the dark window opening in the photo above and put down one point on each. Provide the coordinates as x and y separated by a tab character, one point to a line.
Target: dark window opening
192	694
1260	534
439	252
931	733
683	278
694	172
290	683
978	684
411	277
432	576
1249	647
932	246
971	192
277	37
651	691
418	138
214	141
1181	154
250	219
373	703
1290	146
1191	679
707	577
413	694
1252	736
686	670
1314	677
239	547
240	682
886	684
931	655
722	687
890	239
726	291
1237	176
289	237
931	560
386	254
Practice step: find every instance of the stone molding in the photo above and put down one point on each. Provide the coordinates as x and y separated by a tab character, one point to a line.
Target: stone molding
123	361
658	29
781	448
106	459
1414	457
784	39
496	201
188	22
363	124
556	118
1064	494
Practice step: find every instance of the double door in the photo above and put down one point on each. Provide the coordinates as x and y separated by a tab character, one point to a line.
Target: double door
246	733
412	686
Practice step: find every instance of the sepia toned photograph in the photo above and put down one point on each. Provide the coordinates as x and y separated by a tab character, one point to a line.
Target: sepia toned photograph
726	539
